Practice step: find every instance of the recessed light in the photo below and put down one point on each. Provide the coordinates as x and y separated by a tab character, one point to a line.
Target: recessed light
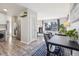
5	10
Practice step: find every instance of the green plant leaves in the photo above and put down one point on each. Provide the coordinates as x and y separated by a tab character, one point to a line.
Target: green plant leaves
62	29
72	33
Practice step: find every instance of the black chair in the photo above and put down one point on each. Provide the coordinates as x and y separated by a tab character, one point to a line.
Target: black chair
55	50
1	36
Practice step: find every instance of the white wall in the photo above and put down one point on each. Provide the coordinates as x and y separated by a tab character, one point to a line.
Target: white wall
29	27
24	30
33	24
3	18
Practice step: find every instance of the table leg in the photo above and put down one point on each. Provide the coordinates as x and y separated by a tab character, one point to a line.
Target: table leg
71	52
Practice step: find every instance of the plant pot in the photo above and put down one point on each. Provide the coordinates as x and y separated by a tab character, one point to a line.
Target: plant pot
73	39
78	42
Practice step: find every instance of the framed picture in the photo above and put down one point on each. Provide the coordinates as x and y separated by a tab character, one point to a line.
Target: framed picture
50	25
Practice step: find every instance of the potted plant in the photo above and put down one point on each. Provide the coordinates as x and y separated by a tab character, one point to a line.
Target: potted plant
62	29
73	34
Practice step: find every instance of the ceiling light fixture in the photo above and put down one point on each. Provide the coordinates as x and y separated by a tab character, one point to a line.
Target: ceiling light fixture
5	10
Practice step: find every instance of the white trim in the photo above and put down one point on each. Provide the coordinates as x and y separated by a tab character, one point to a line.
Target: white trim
28	42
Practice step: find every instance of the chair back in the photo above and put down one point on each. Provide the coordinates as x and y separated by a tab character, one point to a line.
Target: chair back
50	35
46	38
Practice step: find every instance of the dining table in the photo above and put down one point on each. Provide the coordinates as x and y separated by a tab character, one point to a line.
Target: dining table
64	41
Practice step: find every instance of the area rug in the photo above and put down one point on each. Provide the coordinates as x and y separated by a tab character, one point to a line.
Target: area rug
40	51
43	52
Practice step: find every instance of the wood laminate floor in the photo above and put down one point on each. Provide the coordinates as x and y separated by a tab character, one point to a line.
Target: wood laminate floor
14	47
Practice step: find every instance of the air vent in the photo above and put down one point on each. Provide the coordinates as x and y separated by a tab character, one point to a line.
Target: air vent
24	14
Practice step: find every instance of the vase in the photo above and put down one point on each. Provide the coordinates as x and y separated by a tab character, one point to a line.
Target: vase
78	42
73	39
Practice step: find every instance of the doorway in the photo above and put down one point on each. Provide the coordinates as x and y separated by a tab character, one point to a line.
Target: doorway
16	27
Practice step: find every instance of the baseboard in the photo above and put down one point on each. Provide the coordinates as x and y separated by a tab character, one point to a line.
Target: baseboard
28	42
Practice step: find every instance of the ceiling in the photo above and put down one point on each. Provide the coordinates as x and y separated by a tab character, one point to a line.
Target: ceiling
43	10
48	10
12	8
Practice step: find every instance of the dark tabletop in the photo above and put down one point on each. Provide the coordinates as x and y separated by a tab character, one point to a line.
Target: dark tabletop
64	41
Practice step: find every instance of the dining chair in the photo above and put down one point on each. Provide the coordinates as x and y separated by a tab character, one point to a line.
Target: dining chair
50	35
55	50
1	36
